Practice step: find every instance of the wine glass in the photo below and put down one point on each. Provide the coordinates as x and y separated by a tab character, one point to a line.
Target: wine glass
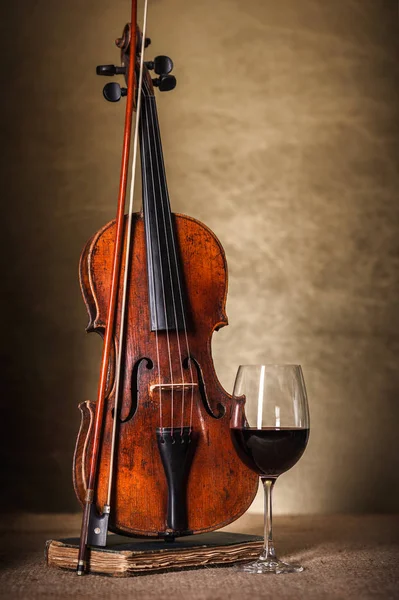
270	430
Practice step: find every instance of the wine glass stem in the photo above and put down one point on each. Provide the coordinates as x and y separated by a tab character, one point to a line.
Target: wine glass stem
268	547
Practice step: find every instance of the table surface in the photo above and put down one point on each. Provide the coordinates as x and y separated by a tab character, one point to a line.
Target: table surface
344	557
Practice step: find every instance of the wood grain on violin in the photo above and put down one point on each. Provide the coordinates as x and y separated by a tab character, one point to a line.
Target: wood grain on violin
219	487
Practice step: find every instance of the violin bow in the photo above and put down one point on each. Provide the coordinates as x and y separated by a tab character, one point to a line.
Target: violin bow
89	504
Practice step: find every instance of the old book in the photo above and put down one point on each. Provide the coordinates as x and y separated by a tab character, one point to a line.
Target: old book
125	556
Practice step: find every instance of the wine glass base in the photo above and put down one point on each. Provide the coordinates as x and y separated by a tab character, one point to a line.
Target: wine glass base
270	566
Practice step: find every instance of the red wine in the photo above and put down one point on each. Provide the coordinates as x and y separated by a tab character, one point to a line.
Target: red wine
270	451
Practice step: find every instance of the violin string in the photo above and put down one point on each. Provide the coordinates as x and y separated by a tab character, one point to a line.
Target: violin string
163	190
179	285
152	282
118	368
162	279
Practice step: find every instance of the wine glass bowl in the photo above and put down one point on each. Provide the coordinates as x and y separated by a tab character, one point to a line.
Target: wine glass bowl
270	430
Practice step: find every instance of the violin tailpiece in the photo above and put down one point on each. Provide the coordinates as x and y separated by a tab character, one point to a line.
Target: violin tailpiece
176	447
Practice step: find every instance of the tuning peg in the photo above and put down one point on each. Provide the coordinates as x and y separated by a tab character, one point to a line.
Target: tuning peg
110	70
165	83
113	92
162	65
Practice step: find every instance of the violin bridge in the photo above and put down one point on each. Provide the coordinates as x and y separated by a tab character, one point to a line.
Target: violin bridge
172	386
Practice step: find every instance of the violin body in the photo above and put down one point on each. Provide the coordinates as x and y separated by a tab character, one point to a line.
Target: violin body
214	487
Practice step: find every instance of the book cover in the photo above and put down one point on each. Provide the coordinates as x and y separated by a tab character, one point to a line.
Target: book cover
123	556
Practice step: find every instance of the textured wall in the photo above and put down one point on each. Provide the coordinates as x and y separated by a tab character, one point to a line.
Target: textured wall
283	137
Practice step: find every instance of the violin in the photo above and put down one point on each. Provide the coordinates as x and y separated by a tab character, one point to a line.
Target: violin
154	456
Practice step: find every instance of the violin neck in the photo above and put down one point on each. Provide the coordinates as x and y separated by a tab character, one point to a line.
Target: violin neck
164	273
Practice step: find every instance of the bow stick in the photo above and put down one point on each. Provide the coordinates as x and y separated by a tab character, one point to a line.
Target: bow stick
89	510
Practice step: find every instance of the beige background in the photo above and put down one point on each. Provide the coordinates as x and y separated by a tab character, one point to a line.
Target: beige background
282	136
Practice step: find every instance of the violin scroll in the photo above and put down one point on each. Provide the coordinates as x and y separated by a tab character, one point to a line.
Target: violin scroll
161	65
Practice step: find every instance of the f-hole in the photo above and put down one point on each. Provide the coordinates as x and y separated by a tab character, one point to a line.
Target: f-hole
134	390
202	389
